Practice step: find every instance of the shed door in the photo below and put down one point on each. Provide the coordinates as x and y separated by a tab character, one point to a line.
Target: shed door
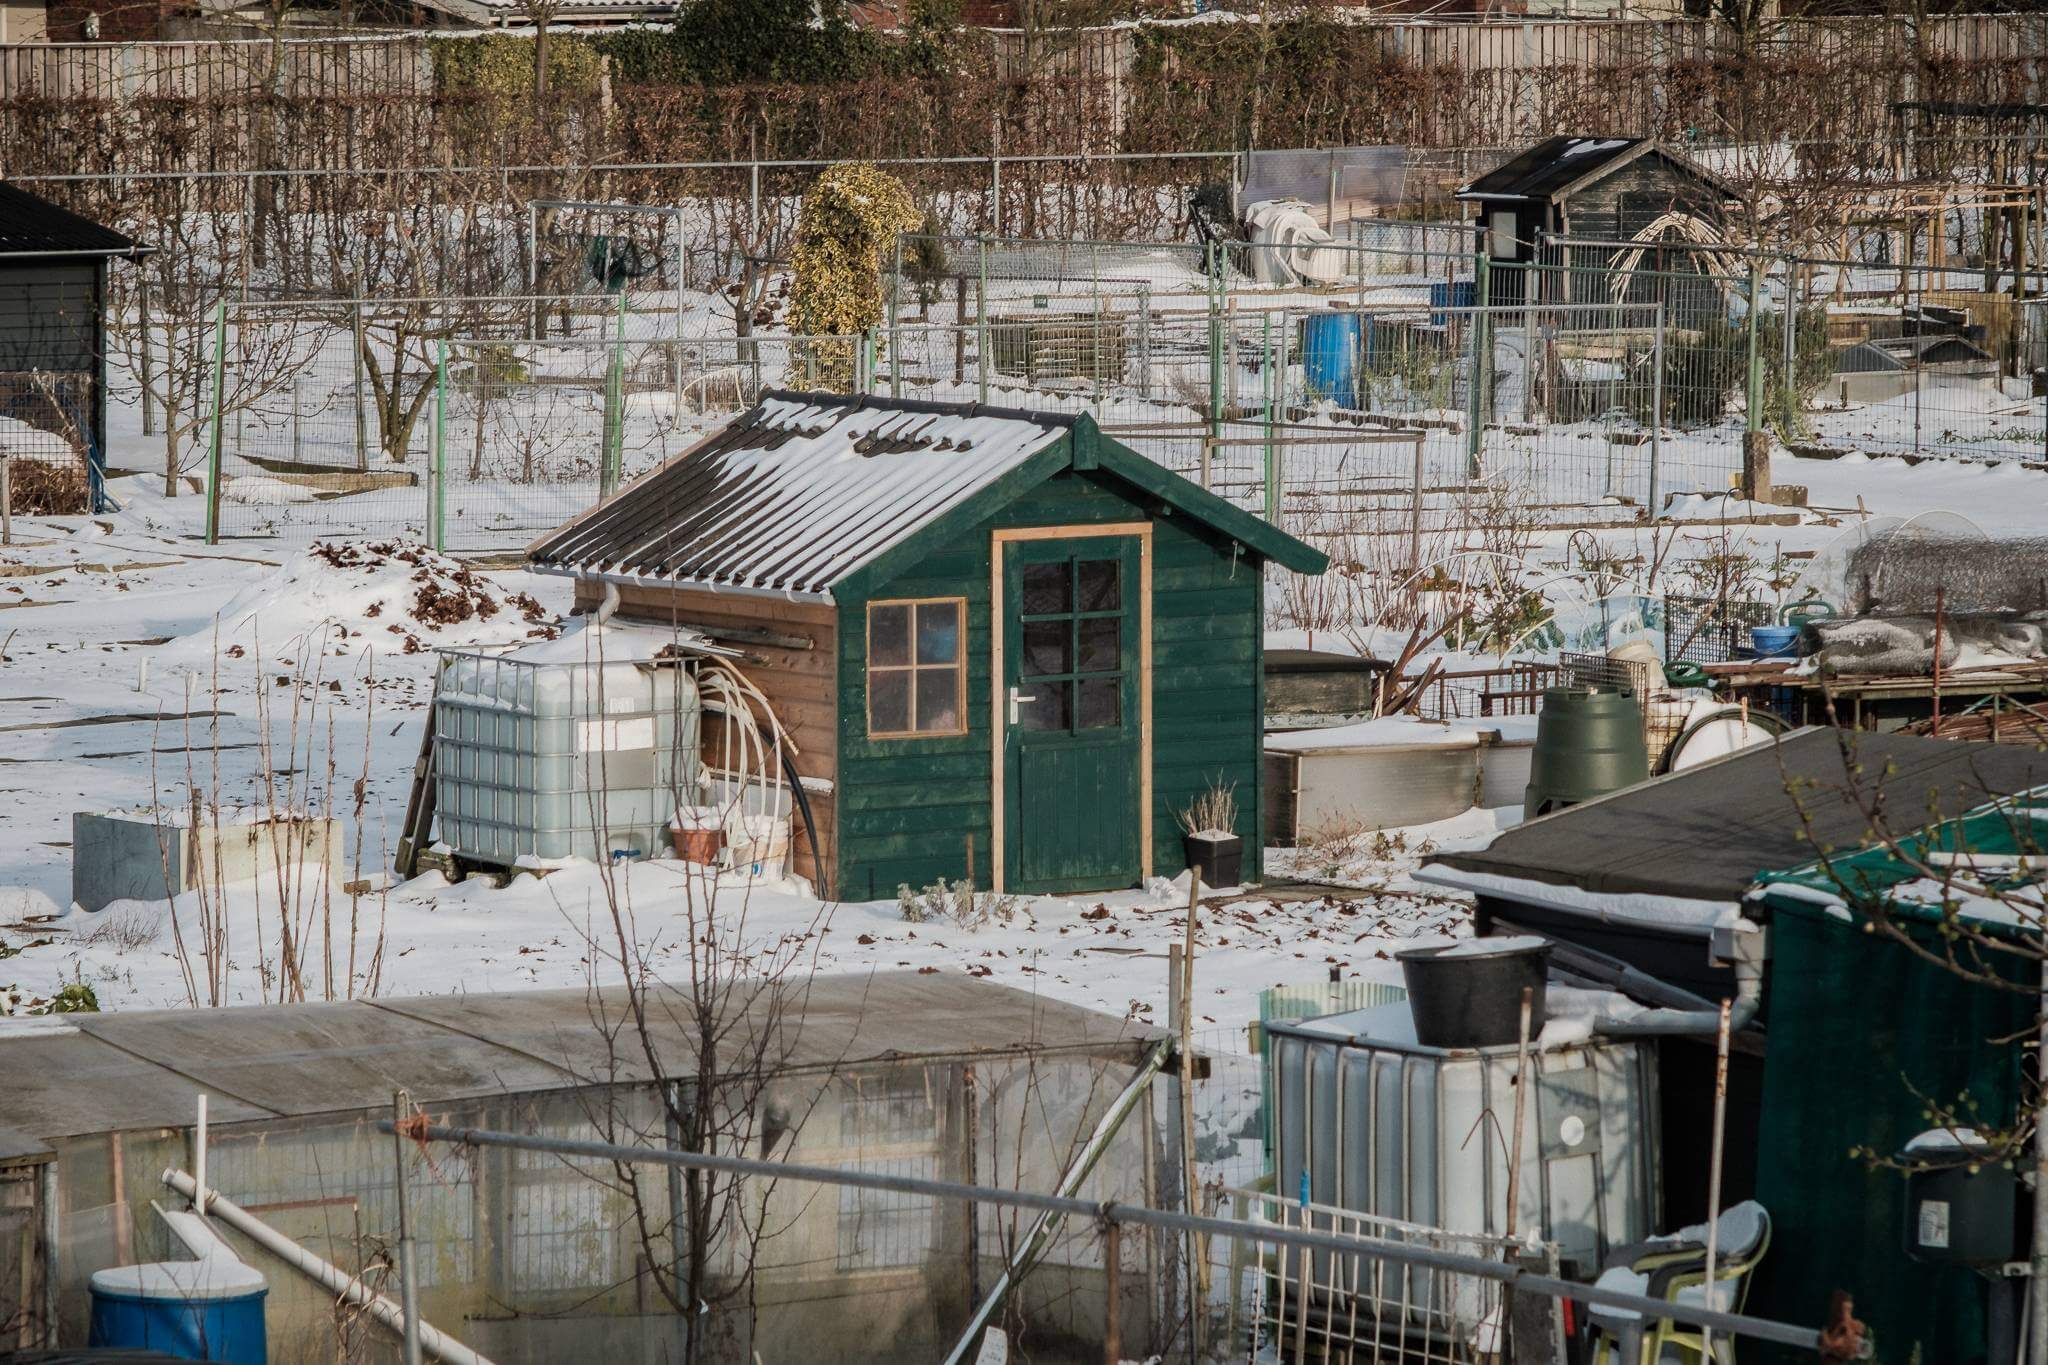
1071	713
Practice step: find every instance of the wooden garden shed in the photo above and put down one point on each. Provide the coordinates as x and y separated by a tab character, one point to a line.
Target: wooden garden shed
1007	647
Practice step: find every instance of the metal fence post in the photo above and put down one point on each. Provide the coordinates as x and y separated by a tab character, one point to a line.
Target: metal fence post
1267	395
437	492
220	359
982	361
895	335
614	458
1210	268
142	336
408	1250
355	314
1656	406
1753	387
1788	316
1482	365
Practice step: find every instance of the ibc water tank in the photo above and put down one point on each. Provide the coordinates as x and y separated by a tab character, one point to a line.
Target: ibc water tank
573	748
208	1309
1389	1127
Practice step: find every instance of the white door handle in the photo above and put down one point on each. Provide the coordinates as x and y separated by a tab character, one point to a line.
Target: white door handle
1015	697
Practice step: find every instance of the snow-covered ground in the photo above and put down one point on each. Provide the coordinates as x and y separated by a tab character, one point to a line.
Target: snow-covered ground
140	663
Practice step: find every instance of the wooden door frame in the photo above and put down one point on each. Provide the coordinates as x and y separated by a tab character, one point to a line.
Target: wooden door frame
999	715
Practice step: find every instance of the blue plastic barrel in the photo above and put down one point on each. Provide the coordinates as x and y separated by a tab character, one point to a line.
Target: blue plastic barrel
1445	295
195	1310
1330	346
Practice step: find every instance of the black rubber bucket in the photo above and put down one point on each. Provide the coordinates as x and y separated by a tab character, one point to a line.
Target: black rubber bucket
1469	994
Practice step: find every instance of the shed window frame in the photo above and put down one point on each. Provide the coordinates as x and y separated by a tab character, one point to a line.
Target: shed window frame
913	670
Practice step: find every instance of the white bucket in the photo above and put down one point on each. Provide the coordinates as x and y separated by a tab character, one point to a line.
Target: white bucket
756	843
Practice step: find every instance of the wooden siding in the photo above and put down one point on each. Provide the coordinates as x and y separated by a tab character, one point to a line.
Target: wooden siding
913	811
800	684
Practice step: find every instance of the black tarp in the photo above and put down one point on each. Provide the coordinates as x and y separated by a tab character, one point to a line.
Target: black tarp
1706	833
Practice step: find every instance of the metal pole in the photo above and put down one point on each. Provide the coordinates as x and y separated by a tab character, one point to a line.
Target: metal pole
1788	323
220	344
355	314
1266	387
437	506
1112	1292
408	1256
147	359
6	500
1714	1173
1415	513
1109	1211
1656	408
983	360
1753	387
1198	1265
1482	364
614	457
1211	269
895	336
2037	1288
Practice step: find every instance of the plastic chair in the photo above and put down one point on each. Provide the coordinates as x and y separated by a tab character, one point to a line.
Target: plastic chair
1674	1269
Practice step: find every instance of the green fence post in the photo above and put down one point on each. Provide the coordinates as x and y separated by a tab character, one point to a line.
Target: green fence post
437	494
1482	364
220	359
895	337
983	361
613	459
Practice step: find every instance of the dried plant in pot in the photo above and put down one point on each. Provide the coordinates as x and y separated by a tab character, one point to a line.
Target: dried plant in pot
1209	835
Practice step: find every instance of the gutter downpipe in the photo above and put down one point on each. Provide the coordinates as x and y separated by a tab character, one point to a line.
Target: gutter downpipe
607	605
349	1288
1746	950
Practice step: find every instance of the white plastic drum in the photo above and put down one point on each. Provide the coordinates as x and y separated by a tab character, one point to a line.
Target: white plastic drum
1717	735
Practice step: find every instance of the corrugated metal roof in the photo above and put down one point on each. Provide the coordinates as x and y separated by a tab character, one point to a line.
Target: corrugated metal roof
1539	171
796	494
30	225
126	1071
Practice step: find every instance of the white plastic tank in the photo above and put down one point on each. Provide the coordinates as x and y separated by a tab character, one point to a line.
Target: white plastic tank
1386	1126
581	747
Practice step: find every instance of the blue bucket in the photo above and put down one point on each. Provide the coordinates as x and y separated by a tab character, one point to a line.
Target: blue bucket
1768	641
195	1310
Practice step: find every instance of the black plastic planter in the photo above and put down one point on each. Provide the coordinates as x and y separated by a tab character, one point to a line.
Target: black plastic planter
1220	861
1469	994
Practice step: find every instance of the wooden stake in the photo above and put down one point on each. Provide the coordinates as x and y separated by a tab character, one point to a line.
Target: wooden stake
1112	1312
1198	1268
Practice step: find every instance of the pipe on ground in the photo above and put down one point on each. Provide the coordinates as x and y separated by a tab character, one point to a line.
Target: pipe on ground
349	1288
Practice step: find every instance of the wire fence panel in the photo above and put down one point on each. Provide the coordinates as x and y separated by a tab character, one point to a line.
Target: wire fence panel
472	424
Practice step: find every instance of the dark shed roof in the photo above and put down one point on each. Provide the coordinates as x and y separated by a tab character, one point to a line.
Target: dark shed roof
797	495
1556	166
1707	832
33	226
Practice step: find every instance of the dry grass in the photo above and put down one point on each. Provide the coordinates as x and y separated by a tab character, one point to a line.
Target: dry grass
126	929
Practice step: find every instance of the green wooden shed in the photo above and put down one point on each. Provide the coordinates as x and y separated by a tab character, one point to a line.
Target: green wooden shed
1006	647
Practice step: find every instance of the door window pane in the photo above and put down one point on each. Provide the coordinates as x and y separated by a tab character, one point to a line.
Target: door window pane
1048	708
889	701
1101	644
1047	647
1048	588
1101	703
938	633
1101	588
888	635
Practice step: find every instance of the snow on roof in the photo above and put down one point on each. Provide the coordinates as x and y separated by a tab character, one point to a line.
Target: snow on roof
792	497
1404	732
1631	907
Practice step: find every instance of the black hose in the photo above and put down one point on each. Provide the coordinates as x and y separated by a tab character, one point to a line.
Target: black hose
803	805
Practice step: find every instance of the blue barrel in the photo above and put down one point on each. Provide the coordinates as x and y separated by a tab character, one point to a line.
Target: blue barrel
195	1310
1330	349
1445	295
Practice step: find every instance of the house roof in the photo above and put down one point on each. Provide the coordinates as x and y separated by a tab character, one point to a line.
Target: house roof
33	226
1706	833
805	490
1555	167
144	1069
